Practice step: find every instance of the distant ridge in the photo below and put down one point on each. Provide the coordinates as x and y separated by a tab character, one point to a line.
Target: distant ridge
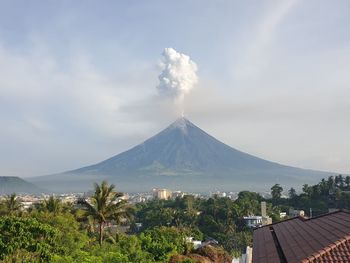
182	156
13	184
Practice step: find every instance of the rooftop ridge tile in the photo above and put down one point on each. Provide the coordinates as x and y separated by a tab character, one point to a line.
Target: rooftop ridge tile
324	238
328	248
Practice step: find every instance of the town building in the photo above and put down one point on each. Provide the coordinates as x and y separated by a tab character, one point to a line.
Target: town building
296	213
253	221
258	221
179	194
283	215
162	193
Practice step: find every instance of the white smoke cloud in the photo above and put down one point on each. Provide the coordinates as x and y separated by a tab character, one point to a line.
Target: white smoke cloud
178	77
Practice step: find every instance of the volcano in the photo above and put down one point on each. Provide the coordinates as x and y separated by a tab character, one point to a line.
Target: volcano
182	157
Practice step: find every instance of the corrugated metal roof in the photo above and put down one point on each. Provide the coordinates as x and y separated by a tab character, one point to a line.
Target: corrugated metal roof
325	238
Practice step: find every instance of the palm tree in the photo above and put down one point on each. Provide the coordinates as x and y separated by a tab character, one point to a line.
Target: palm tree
105	205
51	205
347	181
330	182
339	181
11	205
307	190
324	187
276	192
292	193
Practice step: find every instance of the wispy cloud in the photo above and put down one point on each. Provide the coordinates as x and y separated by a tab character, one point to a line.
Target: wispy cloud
254	55
75	88
45	103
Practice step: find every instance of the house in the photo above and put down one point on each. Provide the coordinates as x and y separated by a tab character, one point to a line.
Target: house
258	221
324	238
253	221
295	213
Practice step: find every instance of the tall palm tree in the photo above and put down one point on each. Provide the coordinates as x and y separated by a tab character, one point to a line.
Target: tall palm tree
11	205
51	205
105	205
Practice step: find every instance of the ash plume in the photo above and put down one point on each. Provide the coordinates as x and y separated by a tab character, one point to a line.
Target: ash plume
178	77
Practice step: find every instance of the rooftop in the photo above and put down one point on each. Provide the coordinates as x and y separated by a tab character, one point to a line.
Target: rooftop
325	238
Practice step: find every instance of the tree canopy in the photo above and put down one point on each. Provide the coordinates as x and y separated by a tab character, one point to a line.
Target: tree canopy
154	231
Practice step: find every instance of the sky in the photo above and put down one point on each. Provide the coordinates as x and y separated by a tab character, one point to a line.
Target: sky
78	79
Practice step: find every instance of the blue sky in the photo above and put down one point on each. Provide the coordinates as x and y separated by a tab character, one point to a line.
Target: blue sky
78	79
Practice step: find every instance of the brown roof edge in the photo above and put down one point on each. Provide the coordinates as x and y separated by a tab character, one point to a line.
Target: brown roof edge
330	245
328	248
310	258
269	225
306	219
331	213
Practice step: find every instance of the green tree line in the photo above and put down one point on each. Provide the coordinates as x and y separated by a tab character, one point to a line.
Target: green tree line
106	228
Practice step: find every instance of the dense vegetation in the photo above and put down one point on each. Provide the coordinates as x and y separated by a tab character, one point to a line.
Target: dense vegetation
105	228
333	192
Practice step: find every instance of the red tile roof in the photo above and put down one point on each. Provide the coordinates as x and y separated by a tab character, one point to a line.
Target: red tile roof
325	238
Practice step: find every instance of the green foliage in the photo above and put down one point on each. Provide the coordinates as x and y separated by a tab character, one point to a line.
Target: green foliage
53	205
127	249
292	193
276	192
248	203
331	193
162	242
28	238
105	206
55	232
80	257
10	205
218	218
69	237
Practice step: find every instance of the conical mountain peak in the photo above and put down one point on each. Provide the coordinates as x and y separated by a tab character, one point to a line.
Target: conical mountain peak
181	123
183	156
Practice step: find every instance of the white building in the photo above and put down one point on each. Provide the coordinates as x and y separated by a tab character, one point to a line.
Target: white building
162	193
196	243
253	221
258	221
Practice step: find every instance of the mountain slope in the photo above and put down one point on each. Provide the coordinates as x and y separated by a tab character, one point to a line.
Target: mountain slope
185	157
12	184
